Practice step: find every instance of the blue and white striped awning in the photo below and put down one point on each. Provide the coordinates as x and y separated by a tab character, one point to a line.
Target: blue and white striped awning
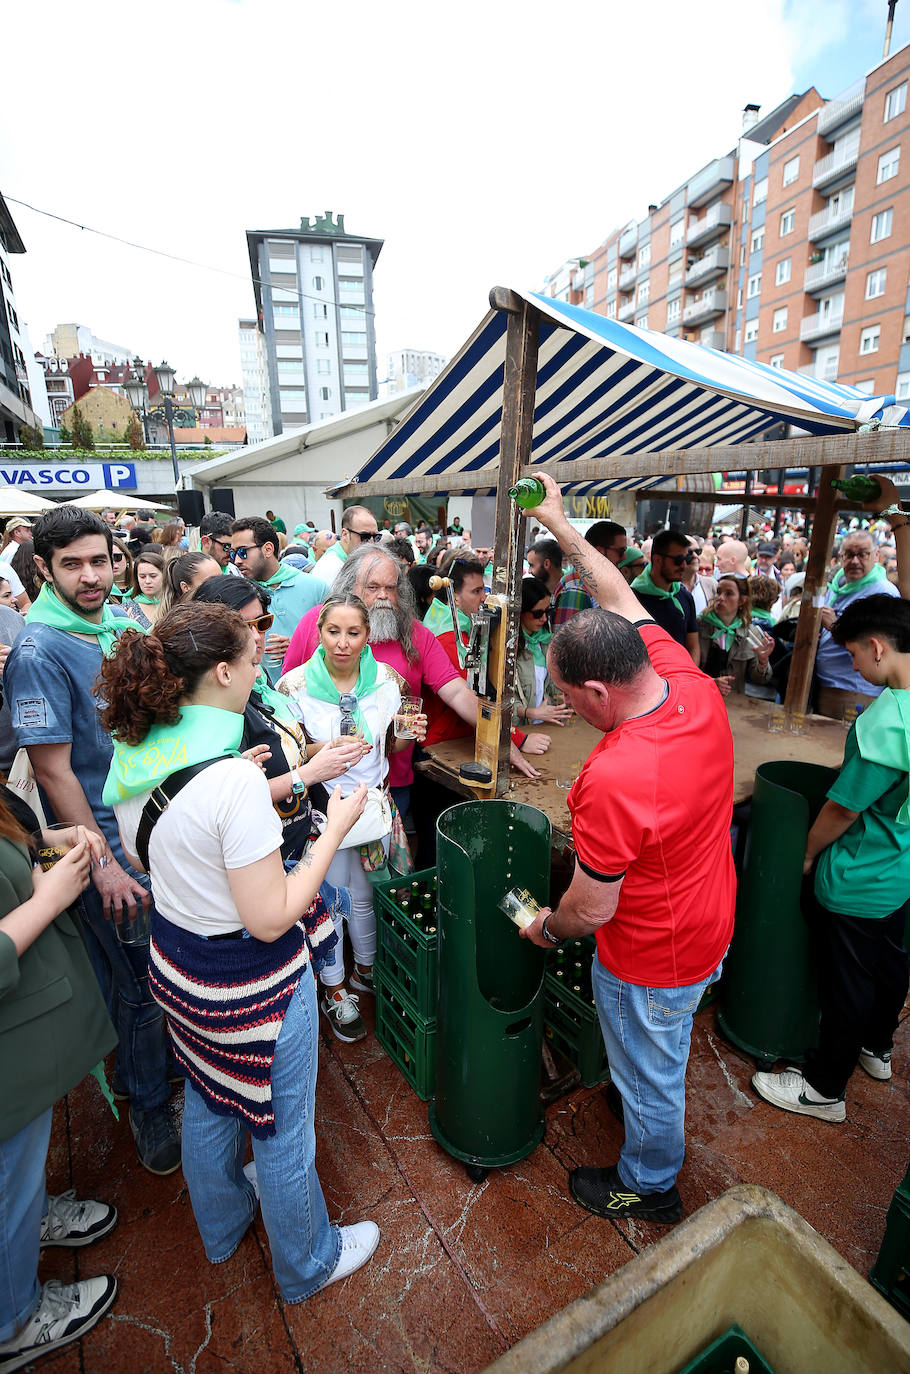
603	389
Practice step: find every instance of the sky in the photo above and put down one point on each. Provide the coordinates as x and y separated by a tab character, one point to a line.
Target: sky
486	143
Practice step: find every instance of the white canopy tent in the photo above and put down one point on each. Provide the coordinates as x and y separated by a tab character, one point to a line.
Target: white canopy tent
105	499
16	502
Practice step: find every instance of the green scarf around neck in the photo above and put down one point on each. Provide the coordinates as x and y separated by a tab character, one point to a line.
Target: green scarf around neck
283	573
724	635
762	616
48	609
144	600
839	587
438	619
199	733
537	641
644	583
319	684
271	697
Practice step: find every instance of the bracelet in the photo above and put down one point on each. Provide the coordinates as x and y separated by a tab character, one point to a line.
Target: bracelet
547	933
894	509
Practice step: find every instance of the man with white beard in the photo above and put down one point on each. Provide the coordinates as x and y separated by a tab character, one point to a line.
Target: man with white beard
399	639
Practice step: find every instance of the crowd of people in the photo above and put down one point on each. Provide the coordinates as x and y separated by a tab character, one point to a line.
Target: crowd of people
224	737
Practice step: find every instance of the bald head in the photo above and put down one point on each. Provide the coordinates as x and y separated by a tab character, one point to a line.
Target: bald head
322	541
733	557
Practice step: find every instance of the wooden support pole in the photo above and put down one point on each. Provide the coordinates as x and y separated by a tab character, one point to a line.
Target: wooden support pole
814	589
518	394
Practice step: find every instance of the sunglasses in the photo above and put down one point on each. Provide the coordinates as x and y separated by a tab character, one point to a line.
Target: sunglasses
262	623
243	551
347	704
677	558
222	543
538	615
118	557
367	536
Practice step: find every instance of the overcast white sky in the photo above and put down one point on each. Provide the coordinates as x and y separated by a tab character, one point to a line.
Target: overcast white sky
485	143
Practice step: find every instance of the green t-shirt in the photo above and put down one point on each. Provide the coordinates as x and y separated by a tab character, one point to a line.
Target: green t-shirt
867	871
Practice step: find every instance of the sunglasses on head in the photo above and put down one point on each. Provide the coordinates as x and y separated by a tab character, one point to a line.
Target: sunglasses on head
262	622
243	551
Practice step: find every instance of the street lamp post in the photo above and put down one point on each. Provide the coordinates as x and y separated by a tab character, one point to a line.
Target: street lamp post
138	397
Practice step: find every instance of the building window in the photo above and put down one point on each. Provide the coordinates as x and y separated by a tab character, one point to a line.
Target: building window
644	291
786	222
888	165
611	279
776	360
902	389
641	322
674	276
317	283
739	298
881	225
868	340
875	283
320	312
895	102
761	191
867	384
317	253
677	232
323	365
611	310
780	320
753	286
782	272
325	393
791	171
589	296
322	339
673	310
644	255
758	241
751	332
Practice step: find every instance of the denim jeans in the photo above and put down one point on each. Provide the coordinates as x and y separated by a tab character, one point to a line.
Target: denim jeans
305	1247
23	1202
647	1032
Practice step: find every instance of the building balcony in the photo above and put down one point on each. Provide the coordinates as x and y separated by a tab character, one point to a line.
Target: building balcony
822	274
827	373
716	177
834	166
839	112
715	222
713	338
715	261
820	326
626	312
628	242
627	279
829	221
712	303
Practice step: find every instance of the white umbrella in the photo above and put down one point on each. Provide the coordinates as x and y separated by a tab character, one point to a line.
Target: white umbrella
115	500
16	502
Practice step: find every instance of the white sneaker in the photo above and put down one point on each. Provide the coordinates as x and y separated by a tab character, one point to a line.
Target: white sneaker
876	1065
65	1312
69	1222
358	1243
790	1091
341	1007
252	1176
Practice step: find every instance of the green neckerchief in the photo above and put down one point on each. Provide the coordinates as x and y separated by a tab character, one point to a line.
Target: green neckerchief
537	641
283	573
720	629
199	733
144	600
883	735
644	583
48	609
763	617
439	619
319	684
272	698
838	587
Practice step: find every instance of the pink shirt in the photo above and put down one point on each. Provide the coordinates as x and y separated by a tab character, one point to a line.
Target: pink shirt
431	667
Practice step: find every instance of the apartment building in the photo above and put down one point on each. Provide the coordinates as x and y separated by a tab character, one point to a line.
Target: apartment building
16	407
254	376
792	249
413	367
314	309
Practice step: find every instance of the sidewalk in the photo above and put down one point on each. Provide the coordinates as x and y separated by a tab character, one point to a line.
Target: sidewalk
463	1271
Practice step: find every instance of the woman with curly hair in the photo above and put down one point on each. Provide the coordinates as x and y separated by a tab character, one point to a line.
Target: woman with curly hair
228	958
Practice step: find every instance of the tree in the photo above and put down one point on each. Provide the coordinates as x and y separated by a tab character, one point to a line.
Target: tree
65	435
82	431
134	434
31	438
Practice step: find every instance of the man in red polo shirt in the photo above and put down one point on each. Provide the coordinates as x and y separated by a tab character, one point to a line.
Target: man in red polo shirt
657	890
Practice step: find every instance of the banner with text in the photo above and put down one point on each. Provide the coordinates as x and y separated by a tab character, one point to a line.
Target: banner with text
60	477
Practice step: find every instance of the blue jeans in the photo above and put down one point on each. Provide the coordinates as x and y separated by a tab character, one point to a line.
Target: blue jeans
647	1032
305	1247
123	974
23	1202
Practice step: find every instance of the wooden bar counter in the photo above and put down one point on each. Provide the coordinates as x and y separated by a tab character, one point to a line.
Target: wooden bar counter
822	741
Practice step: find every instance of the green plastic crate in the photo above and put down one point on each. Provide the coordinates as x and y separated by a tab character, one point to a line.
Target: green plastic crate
407	1038
721	1355
891	1271
406	948
570	1017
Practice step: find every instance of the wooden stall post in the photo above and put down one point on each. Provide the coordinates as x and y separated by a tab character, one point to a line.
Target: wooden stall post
814	589
518	393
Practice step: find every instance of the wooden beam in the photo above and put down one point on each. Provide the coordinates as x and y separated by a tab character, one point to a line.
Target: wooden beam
736	498
881	447
516	433
501	298
814	588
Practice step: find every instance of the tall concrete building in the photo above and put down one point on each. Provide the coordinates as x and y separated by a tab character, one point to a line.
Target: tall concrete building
314	315
255	381
413	367
73	340
16	407
792	248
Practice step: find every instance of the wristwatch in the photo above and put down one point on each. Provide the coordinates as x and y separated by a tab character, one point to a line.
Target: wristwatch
547	933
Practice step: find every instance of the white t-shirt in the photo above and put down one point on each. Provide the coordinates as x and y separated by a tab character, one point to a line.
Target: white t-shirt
222	819
15	581
323	719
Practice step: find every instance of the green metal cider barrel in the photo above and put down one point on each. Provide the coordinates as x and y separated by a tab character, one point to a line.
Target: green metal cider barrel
769	991
487	1110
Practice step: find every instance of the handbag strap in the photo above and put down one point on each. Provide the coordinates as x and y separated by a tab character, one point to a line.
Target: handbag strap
160	799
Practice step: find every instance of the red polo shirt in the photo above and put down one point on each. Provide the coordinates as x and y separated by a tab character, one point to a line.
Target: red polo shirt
632	815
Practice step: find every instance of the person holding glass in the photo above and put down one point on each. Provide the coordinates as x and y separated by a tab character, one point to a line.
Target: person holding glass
537	699
732	648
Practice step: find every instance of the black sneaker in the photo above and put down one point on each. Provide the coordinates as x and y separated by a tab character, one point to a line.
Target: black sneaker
65	1312
157	1139
602	1191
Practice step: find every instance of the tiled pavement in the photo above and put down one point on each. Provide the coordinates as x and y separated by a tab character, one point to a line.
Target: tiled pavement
463	1270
